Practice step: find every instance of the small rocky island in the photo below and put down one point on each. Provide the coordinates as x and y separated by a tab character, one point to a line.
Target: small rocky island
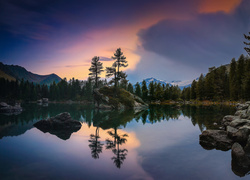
62	125
234	134
117	98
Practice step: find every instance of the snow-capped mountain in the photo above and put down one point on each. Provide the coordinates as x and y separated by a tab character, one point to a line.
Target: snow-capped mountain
181	84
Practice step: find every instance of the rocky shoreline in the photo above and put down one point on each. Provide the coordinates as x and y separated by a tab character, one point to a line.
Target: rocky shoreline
9	110
234	134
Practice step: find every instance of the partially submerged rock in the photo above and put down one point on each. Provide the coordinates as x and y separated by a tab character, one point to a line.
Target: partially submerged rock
239	155
237	132
240	161
62	125
8	109
218	139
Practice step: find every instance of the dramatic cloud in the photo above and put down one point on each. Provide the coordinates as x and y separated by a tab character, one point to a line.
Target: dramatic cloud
180	39
203	41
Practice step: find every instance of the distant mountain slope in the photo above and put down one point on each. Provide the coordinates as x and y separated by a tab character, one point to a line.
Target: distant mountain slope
6	76
19	73
181	84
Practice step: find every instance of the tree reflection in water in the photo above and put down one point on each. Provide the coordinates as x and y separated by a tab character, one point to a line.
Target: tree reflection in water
95	145
120	154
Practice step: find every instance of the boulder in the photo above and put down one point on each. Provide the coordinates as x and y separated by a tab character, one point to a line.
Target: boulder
210	139
242	106
239	123
228	119
8	109
240	112
247	147
62	125
239	156
231	131
248	102
241	135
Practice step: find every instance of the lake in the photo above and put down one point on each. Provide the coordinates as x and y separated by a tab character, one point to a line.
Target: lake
159	143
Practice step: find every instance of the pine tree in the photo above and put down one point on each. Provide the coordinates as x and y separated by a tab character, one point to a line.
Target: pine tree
144	89
200	89
111	71
158	91
138	89
240	72
130	88
209	85
232	80
151	91
246	80
247	43
95	70
120	61
193	90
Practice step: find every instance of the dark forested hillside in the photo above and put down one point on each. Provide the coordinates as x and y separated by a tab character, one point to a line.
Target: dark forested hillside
19	73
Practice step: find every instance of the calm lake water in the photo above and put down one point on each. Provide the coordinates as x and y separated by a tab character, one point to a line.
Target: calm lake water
160	143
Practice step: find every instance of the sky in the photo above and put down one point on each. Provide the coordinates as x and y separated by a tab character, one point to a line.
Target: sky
165	39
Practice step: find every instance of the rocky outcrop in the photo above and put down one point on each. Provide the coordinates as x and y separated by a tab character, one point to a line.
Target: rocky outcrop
61	125
110	98
8	109
235	136
218	139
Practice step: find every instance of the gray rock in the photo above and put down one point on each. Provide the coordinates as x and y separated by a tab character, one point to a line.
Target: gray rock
231	131
62	125
210	139
227	119
8	109
240	112
248	102
239	155
247	147
241	135
239	123
242	106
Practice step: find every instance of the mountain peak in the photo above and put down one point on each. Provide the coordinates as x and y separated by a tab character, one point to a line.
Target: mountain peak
181	84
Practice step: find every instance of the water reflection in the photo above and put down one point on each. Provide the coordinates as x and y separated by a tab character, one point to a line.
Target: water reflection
114	145
124	143
18	124
95	145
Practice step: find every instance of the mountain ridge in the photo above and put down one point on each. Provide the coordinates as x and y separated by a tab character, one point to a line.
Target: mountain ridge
19	73
179	83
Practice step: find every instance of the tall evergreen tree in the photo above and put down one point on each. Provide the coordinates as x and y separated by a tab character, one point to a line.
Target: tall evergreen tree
138	89
246	80
151	91
247	37
144	89
240	72
158	91
130	88
200	89
120	61
193	90
232	80
209	85
95	70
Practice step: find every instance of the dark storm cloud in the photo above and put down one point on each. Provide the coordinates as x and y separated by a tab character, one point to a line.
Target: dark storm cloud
203	41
